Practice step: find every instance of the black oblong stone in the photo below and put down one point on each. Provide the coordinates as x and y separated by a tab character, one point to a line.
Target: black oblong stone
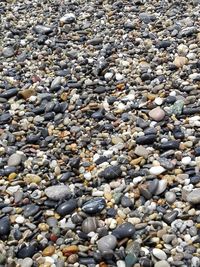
146	139
124	230
27	251
197	151
67	207
9	93
94	205
6	117
170	145
4	226
111	172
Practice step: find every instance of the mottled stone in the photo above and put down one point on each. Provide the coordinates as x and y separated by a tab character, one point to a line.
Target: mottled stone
94	205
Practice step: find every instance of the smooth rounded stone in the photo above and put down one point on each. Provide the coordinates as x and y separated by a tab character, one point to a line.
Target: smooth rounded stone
68	18
121	263
195	262
182	50
156	170
9	93
4	118
57	192
169	217
180	61
90	224
4	226
186	160
27	262
126	202
166	163
162	263
56	83
31	210
146	139
141	151
167	238
170	197
153	185
194	197
8	52
145	262
162	185
67	207
124	230
41	29
94	205
197	151
111	172
159	254
15	159
170	145
107	242
27	251
157	114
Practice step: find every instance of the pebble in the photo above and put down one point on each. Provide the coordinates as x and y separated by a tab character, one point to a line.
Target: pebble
157	114
124	230
194	197
111	172
159	254
8	52
27	262
162	263
89	225
57	192
156	170
5	226
180	61
14	159
94	206
67	207
169	217
170	197
31	210
107	243
26	251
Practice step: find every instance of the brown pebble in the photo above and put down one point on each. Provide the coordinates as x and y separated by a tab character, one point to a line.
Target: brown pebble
72	258
67	251
48	251
26	93
179	62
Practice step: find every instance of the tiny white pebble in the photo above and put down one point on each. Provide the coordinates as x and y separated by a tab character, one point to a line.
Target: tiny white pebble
156	170
186	160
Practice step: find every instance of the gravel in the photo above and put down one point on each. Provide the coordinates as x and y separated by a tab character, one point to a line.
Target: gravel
99	133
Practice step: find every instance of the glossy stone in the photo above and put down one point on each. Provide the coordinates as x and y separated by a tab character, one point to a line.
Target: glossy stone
4	226
111	172
89	225
107	242
67	207
94	205
124	230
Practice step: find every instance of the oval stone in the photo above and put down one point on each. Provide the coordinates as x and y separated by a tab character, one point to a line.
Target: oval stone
111	172
57	192
27	251
31	210
67	207
124	230
4	226
89	225
94	205
106	243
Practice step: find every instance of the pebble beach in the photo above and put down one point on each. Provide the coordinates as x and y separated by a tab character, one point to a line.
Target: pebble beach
99	133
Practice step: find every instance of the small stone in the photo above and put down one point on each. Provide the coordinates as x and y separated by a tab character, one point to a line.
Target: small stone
14	159
94	205
26	251
41	29
68	18
186	160
157	114
27	93
162	185
124	230
32	178
169	217
156	170
106	243
69	250
194	196
27	262
56	83
170	197
182	50
57	192
162	263
31	210
180	61
67	207
159	254
4	227
141	151
89	225
130	260
8	52
146	139
111	172
170	145
48	251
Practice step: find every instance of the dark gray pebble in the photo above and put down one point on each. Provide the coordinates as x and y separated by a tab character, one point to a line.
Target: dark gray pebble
94	205
146	139
27	251
31	210
124	230
169	217
111	172
170	145
67	207
4	226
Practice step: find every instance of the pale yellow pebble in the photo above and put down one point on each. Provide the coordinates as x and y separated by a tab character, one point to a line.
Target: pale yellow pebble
12	176
43	227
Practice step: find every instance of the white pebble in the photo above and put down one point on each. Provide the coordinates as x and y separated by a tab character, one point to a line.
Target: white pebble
186	160
156	170
119	76
20	219
158	101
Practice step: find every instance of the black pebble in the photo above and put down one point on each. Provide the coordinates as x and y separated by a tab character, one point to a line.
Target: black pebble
67	207
4	227
27	251
124	230
111	172
170	145
146	139
94	205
